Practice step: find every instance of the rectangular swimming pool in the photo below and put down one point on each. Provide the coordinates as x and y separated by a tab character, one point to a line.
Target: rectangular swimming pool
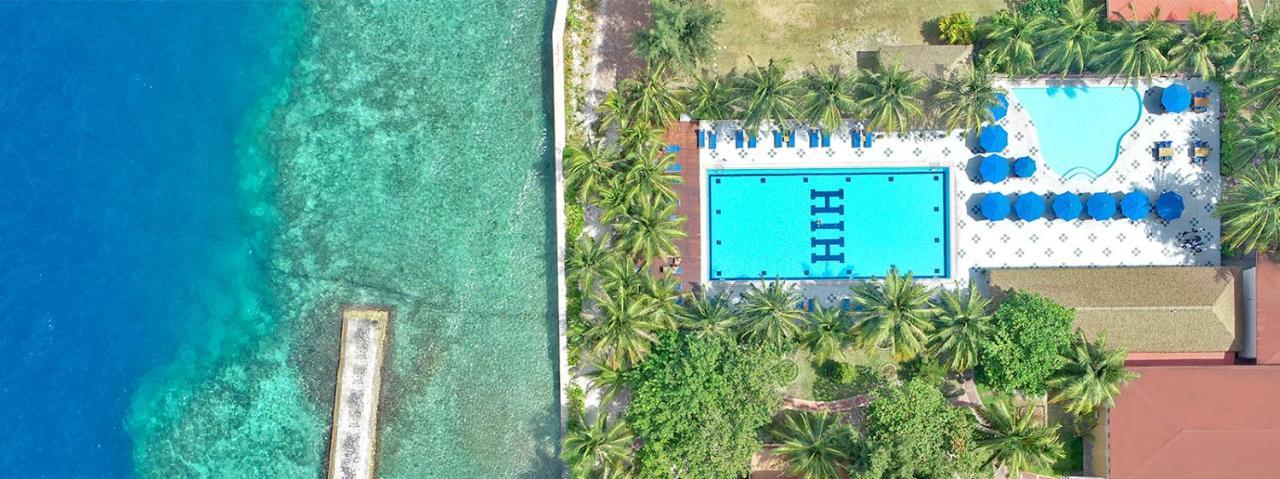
827	223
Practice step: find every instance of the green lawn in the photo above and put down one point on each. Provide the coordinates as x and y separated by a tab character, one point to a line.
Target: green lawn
807	384
829	32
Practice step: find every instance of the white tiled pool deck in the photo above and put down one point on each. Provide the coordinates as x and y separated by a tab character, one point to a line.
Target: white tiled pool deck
977	243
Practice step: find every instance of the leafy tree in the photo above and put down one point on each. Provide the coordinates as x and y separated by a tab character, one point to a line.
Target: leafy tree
890	97
1138	49
912	431
1030	332
956	28
707	316
828	100
1251	210
1008	43
709	98
698	404
768	314
649	176
965	97
1206	45
588	168
811	445
623	331
1013	438
602	450
649	229
1091	377
765	95
586	261
824	334
962	324
1071	38
648	99
683	33
895	311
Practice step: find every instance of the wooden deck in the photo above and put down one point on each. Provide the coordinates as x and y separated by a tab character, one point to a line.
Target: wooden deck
683	134
353	442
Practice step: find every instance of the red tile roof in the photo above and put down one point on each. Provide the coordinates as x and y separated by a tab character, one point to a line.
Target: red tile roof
1171	10
1267	310
1196	422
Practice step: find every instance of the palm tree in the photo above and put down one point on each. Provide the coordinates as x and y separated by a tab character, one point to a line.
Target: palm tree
764	94
1261	137
965	97
1259	45
707	316
649	174
768	313
709	97
649	229
612	110
962	324
1071	38
1251	210
1138	49
1008	43
662	291
683	33
587	168
648	99
601	450
1091	376
614	199
620	273
828	100
609	380
635	136
890	98
586	261
825	335
622	332
1014	438
811	445
1263	89
1205	46
895	311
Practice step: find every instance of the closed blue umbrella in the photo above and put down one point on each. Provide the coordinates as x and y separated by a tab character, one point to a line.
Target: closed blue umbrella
1067	206
993	139
1101	205
1176	98
1001	108
995	206
994	168
1029	206
1135	205
1024	167
1169	206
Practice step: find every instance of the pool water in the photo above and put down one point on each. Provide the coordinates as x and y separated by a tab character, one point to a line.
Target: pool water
1080	128
827	223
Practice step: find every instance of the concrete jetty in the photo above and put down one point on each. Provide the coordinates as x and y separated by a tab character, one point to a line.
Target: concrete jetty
353	444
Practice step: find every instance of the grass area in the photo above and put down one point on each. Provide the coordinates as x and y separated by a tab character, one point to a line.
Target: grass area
808	384
1073	462
829	32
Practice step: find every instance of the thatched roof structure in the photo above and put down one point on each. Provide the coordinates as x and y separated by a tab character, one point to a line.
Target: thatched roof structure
932	60
1144	310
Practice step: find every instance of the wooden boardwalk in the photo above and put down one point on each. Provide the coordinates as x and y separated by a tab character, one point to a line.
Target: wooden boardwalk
689	193
353	441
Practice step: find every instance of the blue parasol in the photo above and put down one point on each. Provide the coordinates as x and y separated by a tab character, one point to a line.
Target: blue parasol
994	168
1169	206
1176	98
1101	205
1067	206
993	139
1024	167
1000	108
995	206
1029	206
1135	205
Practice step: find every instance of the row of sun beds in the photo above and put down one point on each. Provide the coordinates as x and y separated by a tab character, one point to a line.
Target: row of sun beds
786	139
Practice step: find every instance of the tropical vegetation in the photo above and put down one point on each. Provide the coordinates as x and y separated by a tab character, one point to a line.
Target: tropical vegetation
1012	437
1091	377
1029	335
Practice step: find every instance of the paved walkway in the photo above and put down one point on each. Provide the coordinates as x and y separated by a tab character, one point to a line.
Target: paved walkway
688	192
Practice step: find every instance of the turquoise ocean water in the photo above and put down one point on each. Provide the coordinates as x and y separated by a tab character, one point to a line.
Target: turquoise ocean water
193	190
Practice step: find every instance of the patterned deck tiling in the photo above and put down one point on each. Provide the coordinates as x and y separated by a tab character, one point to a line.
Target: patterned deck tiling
978	243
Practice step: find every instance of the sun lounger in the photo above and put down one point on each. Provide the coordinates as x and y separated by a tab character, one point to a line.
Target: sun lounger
791	139
777	139
813	138
846	304
702	139
856	138
711	139
737	139
752	142
674	168
866	142
672	149
826	140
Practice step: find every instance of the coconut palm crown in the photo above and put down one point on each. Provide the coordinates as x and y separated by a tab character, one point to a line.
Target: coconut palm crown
1013	437
829	99
963	322
965	97
601	450
896	312
890	98
764	94
1251	210
810	445
1091	377
768	313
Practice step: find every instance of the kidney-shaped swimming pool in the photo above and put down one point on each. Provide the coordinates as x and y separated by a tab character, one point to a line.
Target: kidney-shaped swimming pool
1080	127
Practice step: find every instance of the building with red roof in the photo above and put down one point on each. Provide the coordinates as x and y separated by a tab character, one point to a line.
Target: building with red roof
1171	10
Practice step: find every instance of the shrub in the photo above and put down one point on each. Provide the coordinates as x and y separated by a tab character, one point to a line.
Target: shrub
912	431
1031	333
577	407
574	220
1040	8
837	371
956	28
787	371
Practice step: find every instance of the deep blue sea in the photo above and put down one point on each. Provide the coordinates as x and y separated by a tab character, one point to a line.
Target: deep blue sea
122	222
